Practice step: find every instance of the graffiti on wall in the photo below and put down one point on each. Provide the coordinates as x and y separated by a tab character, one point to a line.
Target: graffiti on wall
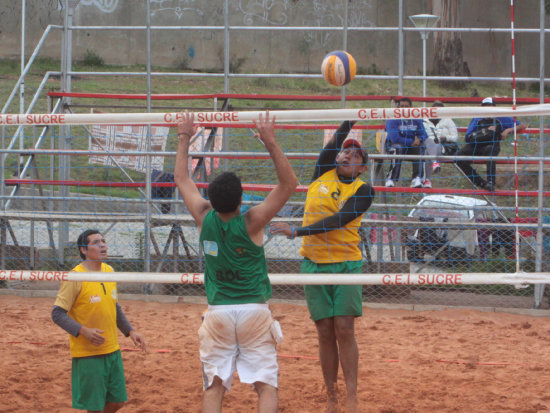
179	7
264	11
106	6
327	13
358	13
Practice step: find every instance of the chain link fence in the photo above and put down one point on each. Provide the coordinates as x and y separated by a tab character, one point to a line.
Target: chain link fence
429	241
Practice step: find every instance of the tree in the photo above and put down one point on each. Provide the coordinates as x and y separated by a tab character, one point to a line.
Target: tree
448	56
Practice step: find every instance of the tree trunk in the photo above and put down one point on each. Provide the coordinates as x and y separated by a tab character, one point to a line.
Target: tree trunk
448	57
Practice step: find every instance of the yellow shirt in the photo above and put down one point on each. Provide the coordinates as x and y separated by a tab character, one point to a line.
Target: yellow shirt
325	197
92	304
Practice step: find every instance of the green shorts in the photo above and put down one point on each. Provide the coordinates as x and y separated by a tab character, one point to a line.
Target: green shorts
97	380
325	301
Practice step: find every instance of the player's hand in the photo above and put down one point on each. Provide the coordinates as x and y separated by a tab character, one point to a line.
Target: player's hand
138	340
417	141
266	128
94	335
443	138
280	228
186	126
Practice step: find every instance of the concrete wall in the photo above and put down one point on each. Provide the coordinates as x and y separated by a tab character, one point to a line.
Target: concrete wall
269	51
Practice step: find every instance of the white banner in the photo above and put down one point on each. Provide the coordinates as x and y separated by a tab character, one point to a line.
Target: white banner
449	278
320	115
127	138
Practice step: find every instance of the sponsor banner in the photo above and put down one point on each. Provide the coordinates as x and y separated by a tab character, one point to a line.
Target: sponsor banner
127	138
281	115
200	143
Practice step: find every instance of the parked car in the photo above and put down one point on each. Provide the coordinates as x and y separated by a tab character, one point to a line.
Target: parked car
447	244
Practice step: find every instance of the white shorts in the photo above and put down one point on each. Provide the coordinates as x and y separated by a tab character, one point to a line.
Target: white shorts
240	338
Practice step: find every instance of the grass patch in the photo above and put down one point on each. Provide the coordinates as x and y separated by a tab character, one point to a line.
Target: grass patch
292	141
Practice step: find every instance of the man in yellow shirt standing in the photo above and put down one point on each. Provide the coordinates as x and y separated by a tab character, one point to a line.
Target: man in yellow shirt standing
336	201
90	313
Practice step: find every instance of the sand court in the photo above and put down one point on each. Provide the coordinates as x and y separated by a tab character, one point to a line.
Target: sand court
453	360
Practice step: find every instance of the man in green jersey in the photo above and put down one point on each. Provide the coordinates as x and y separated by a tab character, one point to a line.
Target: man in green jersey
238	332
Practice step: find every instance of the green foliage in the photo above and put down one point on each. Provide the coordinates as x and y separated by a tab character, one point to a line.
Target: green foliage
183	63
371	70
535	87
42	64
10	67
260	82
92	58
236	63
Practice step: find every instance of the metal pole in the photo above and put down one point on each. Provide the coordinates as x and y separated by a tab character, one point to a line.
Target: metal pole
424	36
400	51
64	141
147	227
3	171
225	140
22	86
226	48
51	157
345	47
539	288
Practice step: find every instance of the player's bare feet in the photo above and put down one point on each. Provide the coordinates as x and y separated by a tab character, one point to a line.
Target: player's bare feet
352	406
332	405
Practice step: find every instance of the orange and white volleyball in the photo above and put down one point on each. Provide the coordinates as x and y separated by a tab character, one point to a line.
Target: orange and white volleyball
338	68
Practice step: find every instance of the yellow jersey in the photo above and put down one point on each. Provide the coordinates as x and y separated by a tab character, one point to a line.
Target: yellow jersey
325	197
92	304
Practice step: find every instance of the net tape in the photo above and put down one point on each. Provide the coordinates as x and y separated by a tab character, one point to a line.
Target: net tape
427	278
281	116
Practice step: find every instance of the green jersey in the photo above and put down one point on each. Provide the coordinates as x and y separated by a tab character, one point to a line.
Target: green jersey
236	269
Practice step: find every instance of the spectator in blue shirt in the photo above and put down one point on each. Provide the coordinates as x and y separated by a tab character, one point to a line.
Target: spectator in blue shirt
483	139
405	137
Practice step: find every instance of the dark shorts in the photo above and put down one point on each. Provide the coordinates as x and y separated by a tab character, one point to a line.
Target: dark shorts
326	301
97	380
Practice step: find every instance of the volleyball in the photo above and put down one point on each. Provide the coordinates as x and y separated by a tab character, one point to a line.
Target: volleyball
338	68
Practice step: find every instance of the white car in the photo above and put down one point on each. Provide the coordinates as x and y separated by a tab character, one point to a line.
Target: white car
447	243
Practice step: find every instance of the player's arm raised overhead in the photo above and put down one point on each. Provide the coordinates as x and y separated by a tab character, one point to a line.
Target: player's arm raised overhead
195	203
260	215
327	157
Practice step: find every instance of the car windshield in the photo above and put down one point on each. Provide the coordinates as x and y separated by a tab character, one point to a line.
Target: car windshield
433	209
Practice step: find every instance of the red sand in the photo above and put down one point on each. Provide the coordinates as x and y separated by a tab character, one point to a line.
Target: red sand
432	361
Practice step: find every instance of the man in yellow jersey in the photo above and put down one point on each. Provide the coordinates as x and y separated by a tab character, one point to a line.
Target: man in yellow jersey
238	332
335	203
90	313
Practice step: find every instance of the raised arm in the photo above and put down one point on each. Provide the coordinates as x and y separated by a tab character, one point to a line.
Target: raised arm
195	203
327	158
260	215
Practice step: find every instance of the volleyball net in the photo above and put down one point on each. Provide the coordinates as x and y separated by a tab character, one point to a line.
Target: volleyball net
451	243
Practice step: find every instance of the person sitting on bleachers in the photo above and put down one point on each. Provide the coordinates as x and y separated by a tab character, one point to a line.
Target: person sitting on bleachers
483	139
442	140
405	137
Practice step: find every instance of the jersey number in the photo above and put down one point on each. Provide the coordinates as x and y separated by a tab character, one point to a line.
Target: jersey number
228	275
104	290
